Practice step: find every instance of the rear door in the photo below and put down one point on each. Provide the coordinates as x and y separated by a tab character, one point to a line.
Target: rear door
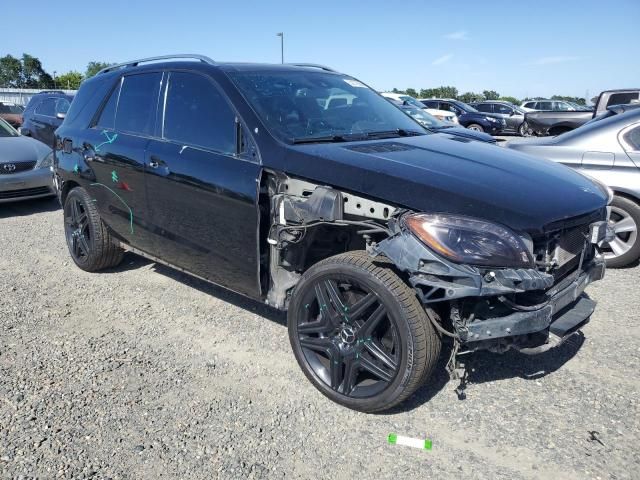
43	118
201	187
115	148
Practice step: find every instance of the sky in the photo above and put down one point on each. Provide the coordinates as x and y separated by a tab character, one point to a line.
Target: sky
541	48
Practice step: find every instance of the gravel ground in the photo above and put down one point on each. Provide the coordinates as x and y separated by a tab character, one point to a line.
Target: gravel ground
142	372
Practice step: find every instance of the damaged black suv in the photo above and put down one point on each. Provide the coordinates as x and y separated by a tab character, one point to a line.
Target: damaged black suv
303	188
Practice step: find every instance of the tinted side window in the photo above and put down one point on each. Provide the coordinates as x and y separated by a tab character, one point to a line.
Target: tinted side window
431	104
503	109
107	118
484	107
622	98
136	112
47	107
62	105
197	114
544	106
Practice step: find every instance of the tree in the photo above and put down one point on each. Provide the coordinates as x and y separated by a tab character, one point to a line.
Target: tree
448	92
70	80
491	95
429	93
411	92
26	72
578	100
513	100
468	97
95	67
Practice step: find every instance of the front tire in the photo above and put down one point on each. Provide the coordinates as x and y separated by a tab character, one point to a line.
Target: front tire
90	244
624	249
360	334
475	127
523	129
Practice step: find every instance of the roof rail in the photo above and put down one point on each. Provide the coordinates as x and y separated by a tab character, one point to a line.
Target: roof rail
134	63
313	65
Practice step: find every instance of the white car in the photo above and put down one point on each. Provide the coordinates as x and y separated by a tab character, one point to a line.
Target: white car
405	99
554	105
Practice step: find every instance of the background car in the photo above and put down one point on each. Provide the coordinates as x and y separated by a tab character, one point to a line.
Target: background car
44	113
552	105
608	150
510	113
468	116
432	123
11	113
24	166
404	99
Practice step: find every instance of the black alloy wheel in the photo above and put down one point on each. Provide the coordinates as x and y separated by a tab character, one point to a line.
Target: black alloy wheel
76	226
360	334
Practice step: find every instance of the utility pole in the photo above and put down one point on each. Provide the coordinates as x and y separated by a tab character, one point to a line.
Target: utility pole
281	35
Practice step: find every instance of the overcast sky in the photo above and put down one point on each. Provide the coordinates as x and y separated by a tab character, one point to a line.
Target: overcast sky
517	48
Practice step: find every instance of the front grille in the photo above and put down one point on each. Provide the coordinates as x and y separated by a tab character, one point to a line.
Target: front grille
25	192
17	167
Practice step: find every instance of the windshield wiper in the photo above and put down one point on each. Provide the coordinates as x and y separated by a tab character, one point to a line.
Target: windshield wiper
325	139
397	132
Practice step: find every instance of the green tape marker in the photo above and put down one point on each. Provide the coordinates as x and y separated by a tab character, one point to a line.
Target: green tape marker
395	439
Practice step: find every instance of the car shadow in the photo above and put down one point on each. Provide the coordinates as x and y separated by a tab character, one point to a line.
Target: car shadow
484	366
29	207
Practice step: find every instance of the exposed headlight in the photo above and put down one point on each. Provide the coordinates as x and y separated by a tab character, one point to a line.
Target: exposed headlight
46	161
470	240
491	119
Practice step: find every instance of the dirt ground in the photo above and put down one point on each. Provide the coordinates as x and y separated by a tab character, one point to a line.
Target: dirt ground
143	372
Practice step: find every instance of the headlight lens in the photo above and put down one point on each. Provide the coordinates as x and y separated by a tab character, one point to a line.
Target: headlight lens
470	240
46	161
491	119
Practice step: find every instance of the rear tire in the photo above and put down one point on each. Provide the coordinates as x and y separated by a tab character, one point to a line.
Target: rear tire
360	334
90	244
475	127
523	130
625	220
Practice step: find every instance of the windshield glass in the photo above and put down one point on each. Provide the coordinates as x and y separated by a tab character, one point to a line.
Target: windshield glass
8	108
7	130
412	101
425	118
299	105
465	107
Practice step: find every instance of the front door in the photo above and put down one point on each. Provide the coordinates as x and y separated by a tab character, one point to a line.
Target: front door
202	191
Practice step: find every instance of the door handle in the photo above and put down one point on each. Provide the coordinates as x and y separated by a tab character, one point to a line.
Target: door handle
153	163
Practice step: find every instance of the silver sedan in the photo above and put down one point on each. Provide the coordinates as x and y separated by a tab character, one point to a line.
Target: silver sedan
24	166
607	149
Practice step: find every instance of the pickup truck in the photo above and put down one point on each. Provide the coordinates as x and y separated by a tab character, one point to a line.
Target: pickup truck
542	123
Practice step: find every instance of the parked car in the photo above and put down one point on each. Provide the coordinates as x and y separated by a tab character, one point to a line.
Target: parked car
609	150
11	113
551	105
559	121
510	113
468	116
44	113
375	234
444	115
432	123
25	166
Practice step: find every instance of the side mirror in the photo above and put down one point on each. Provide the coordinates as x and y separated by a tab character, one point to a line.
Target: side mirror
513	112
60	115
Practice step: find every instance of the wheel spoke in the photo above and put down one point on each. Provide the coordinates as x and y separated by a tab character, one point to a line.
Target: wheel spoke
316	326
318	344
356	310
625	225
75	246
83	244
372	322
351	370
334	294
618	246
335	371
323	305
377	351
375	370
74	211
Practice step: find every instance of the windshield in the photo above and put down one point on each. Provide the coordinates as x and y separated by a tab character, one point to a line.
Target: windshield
412	101
425	118
465	107
7	130
5	108
299	106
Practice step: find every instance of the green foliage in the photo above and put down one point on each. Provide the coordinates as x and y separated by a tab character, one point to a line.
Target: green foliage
26	72
411	92
95	67
440	92
468	97
578	100
70	80
491	95
513	100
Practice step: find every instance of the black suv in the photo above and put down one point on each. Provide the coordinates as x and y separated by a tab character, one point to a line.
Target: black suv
303	188
468	116
44	113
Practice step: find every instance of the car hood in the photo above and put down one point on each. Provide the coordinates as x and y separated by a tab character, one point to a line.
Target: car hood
466	133
444	173
21	149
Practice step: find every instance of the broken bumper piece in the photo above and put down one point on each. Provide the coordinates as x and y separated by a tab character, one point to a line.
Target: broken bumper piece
566	311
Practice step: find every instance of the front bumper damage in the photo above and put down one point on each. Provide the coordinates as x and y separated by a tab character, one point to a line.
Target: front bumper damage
531	330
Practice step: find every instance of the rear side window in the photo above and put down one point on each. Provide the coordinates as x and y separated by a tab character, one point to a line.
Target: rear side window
544	105
484	107
197	114
633	139
431	104
107	118
503	109
62	105
47	107
622	98
136	109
